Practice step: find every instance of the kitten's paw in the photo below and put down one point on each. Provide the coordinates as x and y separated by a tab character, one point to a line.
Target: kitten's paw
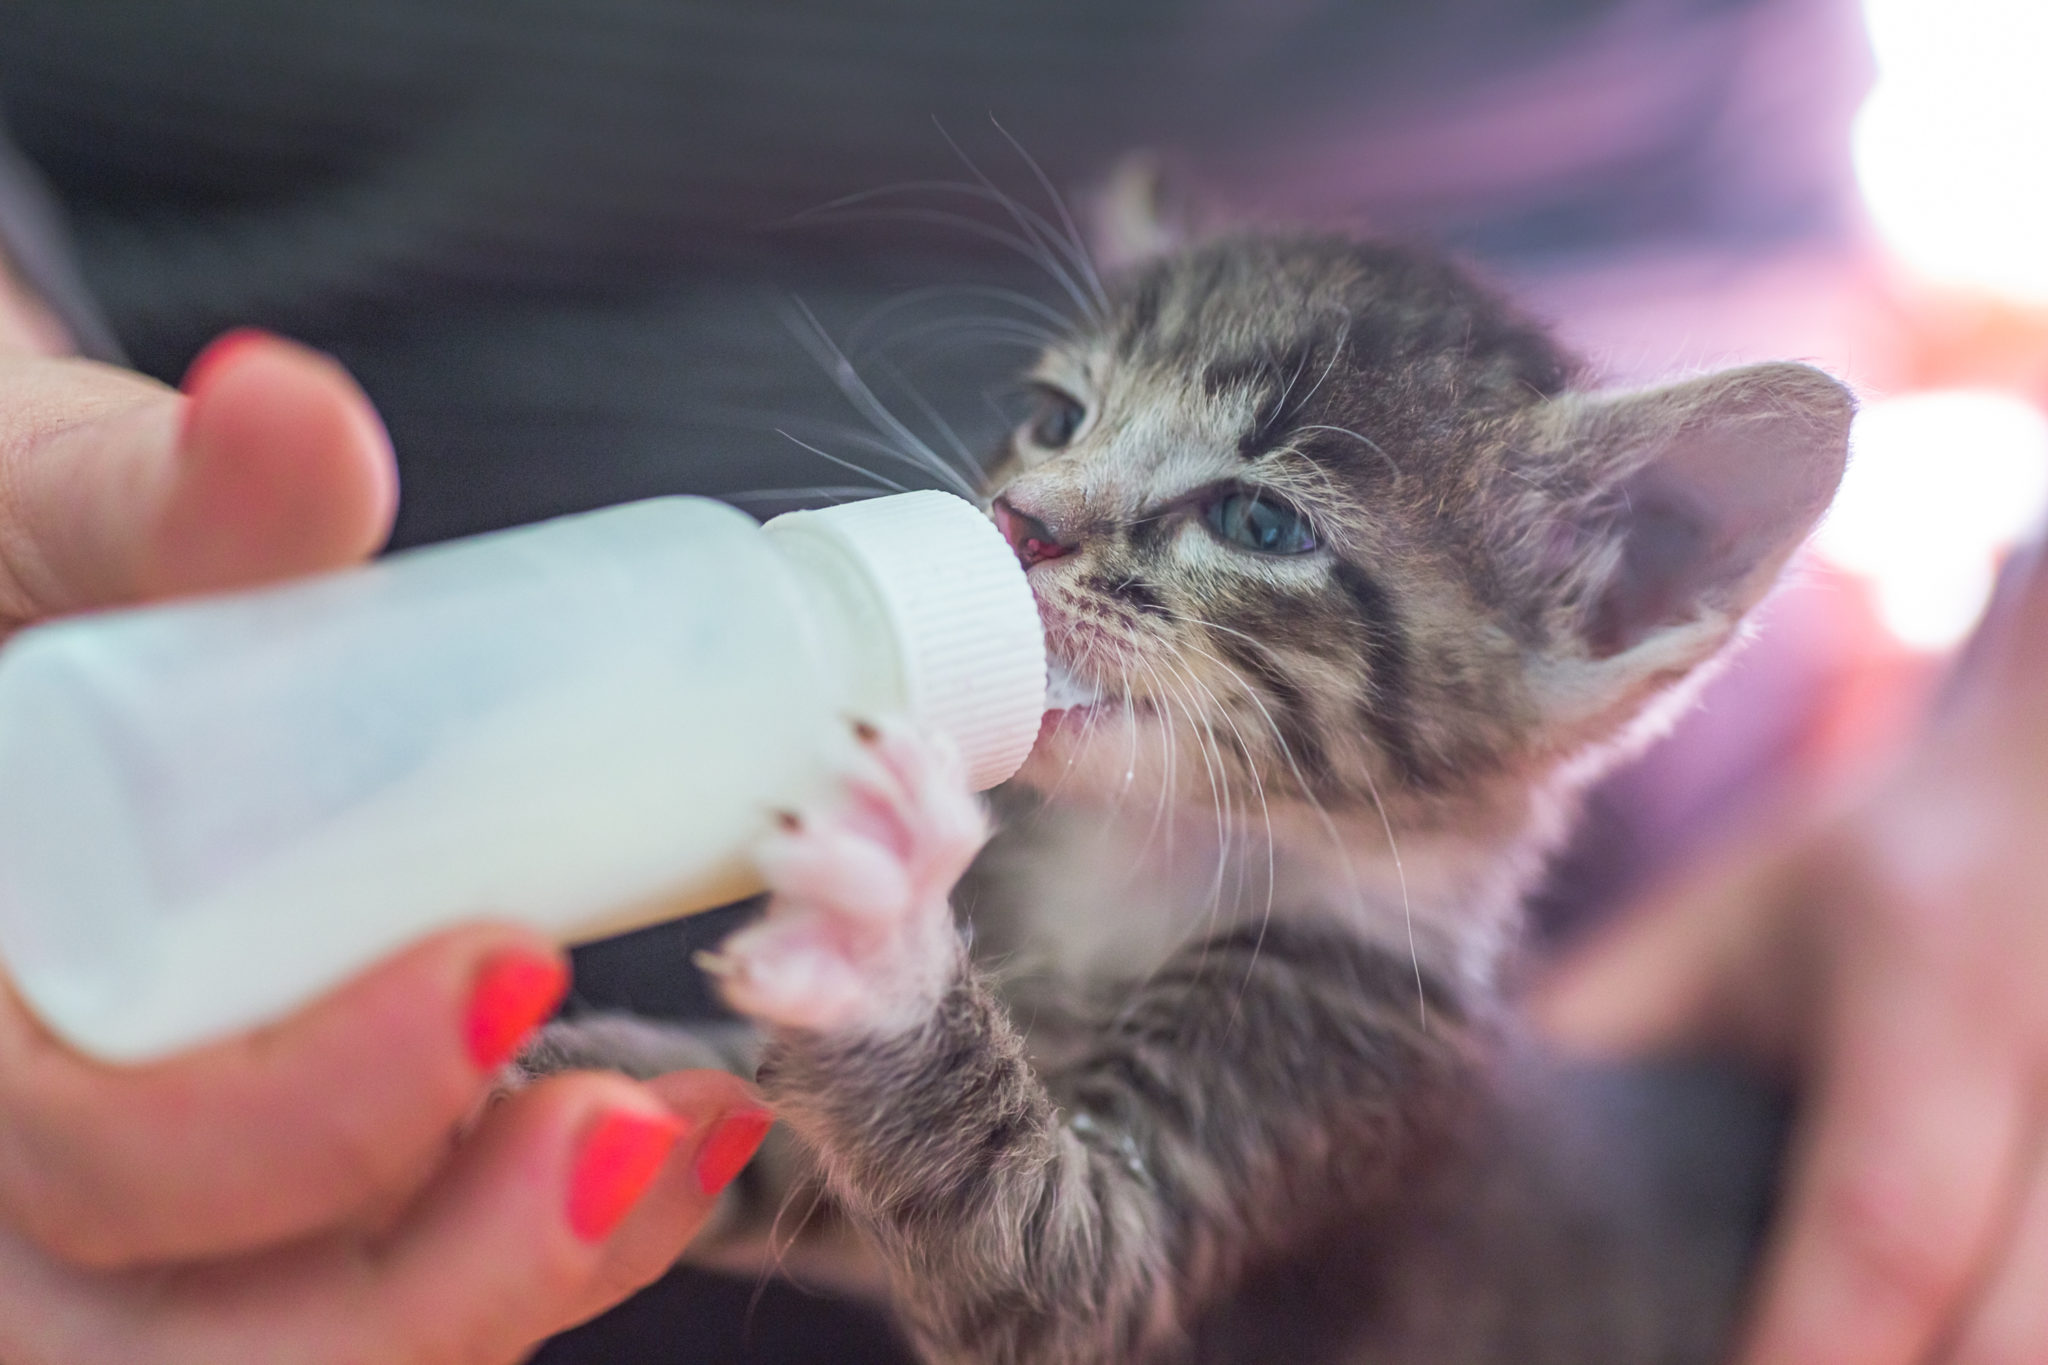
641	1048
859	934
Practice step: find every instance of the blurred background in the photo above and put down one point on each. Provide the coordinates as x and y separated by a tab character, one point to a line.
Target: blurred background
580	251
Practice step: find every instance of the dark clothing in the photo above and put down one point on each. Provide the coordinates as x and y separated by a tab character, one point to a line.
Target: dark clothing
555	238
34	246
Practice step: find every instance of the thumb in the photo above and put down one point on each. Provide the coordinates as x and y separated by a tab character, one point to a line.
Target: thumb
1688	968
114	489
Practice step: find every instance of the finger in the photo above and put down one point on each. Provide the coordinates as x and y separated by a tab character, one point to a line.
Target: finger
27	326
2009	1324
1896	1181
574	1194
347	1106
1685	969
285	469
567	1197
114	489
678	1204
2011	644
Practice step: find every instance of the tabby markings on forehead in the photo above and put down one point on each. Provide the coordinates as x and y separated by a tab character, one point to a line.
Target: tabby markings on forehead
1273	384
1144	314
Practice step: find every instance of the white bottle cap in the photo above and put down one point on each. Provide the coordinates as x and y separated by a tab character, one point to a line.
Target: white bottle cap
972	647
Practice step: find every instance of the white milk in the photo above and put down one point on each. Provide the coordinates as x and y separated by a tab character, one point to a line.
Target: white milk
214	810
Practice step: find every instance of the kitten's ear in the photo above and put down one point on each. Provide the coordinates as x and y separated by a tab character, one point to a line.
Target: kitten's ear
1693	497
1139	214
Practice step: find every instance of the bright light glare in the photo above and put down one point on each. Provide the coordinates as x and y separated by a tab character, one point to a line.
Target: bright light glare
1951	148
1939	485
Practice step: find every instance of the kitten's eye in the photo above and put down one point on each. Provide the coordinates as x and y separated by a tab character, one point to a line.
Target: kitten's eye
1053	423
1259	521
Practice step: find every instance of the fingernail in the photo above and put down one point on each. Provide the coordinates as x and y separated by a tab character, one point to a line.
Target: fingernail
214	358
729	1146
618	1160
514	993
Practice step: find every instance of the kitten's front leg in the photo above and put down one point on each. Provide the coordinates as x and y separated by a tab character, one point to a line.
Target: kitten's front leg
1261	1083
859	935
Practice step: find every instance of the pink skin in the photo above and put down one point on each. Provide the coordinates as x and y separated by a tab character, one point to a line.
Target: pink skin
859	933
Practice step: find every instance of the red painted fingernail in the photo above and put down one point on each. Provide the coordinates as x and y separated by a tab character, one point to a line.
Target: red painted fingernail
214	358
515	992
618	1160
729	1146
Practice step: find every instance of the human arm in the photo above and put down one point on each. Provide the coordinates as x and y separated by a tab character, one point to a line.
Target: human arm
1891	955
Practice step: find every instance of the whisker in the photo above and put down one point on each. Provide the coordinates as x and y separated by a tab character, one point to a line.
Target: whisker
1081	256
985	191
1056	322
1219	789
864	439
1265	809
1033	223
1322	812
1369	443
1287	389
1030	247
1250	765
819	343
832	491
1407	910
968	462
1168	783
1336	354
1008	330
844	464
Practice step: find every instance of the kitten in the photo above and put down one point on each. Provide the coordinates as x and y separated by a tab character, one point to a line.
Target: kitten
1349	588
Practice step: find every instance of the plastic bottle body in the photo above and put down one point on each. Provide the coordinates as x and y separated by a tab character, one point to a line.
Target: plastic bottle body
211	812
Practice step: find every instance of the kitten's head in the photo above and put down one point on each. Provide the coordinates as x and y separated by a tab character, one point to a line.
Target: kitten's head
1332	517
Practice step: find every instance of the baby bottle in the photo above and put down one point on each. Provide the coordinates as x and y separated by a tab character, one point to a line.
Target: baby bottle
213	810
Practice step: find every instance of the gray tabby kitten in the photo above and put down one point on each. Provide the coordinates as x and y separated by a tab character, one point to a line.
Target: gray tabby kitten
1349	590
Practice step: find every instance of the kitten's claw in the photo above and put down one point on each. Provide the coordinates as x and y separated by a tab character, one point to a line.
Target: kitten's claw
714	964
859	934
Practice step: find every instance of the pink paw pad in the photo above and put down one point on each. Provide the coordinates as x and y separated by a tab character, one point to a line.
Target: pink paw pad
859	934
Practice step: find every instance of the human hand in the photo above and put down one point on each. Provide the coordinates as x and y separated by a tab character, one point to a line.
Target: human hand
300	1193
1893	956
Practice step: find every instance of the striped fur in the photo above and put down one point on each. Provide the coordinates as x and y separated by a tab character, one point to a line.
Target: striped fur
1228	1017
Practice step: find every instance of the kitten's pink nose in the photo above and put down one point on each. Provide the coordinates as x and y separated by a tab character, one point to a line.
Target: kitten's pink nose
1033	540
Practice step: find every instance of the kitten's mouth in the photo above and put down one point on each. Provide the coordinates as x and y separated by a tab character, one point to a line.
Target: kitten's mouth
1064	691
1071	698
